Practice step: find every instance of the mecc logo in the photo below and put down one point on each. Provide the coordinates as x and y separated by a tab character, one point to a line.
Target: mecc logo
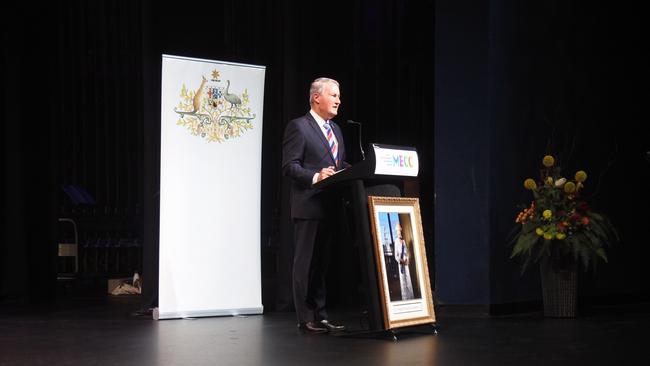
403	161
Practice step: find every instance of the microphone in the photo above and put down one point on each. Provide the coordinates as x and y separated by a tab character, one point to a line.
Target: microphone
351	122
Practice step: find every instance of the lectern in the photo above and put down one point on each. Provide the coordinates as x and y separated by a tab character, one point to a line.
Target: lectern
385	166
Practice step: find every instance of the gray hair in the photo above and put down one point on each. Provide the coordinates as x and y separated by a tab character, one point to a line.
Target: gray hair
317	87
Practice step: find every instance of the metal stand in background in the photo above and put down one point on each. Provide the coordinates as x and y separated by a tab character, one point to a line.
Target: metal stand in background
68	248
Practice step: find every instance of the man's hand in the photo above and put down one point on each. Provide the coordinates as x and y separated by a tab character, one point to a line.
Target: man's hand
325	172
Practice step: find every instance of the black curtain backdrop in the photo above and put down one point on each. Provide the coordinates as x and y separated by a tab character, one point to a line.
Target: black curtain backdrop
81	94
99	101
29	160
95	122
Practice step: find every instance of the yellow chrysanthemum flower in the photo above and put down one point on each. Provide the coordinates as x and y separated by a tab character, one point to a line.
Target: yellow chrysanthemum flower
530	184
548	236
548	161
569	187
560	236
549	181
547	214
539	231
581	176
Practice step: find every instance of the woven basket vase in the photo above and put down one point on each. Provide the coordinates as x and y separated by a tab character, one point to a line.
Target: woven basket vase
559	289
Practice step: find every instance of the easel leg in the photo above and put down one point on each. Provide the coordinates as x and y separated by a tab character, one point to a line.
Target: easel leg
393	335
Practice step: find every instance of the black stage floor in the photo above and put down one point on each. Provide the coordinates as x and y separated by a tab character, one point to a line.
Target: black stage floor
101	331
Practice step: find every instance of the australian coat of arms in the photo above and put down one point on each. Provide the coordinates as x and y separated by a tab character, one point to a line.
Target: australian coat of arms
213	111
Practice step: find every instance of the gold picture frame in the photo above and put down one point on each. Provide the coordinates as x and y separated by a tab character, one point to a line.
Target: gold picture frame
401	261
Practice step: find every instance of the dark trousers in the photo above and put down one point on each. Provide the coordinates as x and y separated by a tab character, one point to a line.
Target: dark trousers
310	261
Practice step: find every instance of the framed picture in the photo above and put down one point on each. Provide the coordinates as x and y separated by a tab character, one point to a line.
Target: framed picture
401	259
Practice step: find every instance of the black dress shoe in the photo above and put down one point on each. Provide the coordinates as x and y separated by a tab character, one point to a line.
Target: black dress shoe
331	326
312	327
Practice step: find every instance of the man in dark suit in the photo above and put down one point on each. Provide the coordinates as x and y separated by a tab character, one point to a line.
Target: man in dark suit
313	150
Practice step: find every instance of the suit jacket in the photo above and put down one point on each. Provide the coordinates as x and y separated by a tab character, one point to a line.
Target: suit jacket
304	153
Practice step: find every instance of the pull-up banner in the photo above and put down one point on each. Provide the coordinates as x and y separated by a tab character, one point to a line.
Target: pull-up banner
210	180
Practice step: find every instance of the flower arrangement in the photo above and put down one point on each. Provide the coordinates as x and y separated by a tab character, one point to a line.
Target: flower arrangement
559	225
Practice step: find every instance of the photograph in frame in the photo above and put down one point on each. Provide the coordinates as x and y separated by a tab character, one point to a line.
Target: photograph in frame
401	261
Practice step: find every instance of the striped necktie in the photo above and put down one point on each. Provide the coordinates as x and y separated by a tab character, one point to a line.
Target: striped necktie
334	148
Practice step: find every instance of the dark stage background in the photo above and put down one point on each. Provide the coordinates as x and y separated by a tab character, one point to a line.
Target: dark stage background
482	89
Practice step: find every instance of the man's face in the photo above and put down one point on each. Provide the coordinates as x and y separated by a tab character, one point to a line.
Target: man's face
327	103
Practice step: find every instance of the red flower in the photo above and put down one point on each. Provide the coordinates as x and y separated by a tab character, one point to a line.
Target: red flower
582	206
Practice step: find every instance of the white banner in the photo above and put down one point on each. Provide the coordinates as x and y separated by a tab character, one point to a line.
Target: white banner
210	182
